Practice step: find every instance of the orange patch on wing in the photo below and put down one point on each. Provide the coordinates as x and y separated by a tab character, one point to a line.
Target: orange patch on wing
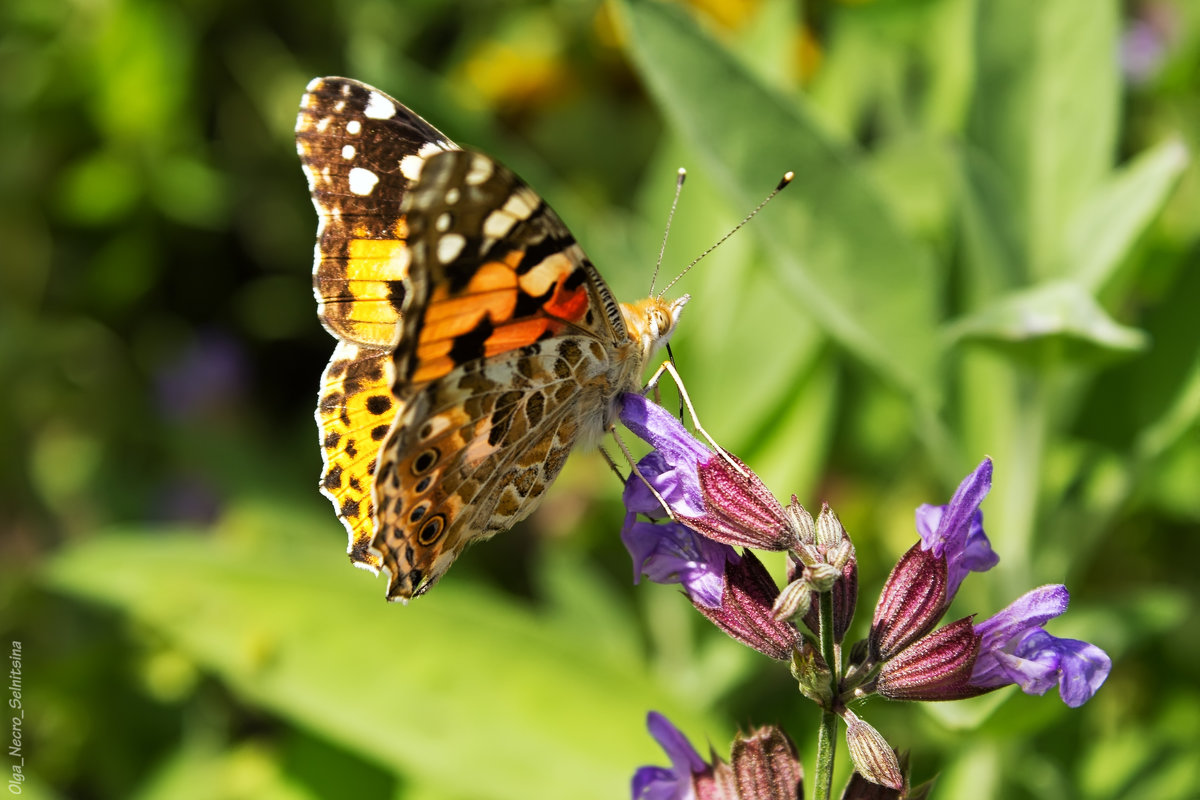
513	335
568	304
429	369
492	291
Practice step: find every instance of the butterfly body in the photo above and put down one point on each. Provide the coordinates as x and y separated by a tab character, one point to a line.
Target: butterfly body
477	344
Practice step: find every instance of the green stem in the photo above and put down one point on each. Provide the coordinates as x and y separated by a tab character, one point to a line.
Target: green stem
826	734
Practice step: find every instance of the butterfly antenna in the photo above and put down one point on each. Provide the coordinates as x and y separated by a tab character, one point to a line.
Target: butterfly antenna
682	176
779	187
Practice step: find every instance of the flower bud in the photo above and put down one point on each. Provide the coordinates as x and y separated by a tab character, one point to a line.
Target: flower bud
830	532
739	509
802	522
936	667
873	757
813	675
845	599
823	576
766	766
747	610
794	600
859	788
912	602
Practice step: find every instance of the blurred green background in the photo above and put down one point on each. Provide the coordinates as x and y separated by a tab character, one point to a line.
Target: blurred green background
990	248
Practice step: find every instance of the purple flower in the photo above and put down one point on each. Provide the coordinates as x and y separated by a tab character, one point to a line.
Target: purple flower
676	483
714	494
673	553
676	457
1015	649
955	530
675	783
746	612
763	763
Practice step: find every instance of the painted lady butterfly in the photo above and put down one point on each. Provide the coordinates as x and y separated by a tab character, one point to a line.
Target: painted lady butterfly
477	344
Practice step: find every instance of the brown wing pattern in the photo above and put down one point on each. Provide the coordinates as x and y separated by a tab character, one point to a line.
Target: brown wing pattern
505	349
361	151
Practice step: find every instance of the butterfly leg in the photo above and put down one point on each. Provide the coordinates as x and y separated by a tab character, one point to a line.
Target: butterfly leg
633	465
668	368
612	465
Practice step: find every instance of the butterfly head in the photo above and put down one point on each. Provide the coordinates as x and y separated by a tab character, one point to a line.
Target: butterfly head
651	322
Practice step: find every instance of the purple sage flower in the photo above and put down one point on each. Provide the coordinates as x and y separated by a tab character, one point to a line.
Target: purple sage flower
714	494
746	612
676	782
1016	649
955	530
673	553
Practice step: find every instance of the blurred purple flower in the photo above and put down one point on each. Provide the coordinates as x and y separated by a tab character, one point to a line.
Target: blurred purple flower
1145	43
675	783
955	530
208	375
1015	649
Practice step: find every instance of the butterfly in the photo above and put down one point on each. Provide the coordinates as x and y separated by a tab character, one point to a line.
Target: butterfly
476	343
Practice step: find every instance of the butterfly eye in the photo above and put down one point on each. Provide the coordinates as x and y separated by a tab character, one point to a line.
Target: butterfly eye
431	531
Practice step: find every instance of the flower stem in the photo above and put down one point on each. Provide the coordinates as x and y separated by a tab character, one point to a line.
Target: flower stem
826	741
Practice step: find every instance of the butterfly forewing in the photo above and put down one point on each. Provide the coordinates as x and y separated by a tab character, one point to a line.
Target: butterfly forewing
505	350
361	151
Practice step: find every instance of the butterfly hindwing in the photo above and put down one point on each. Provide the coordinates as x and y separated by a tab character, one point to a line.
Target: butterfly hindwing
355	412
473	451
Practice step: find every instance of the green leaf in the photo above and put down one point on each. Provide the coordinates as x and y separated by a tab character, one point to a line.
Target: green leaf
836	248
464	690
1060	313
1107	225
1046	106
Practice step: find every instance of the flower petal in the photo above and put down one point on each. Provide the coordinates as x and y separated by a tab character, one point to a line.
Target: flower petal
1080	668
1032	609
656	425
955	530
678	485
676	783
670	552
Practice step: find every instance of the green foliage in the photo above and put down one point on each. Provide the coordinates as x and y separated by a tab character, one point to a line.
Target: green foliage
988	248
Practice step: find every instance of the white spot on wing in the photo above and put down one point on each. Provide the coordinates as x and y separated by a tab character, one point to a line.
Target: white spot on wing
442	223
449	246
348	152
498	224
518	205
379	107
362	181
410	167
480	171
354	127
452	195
